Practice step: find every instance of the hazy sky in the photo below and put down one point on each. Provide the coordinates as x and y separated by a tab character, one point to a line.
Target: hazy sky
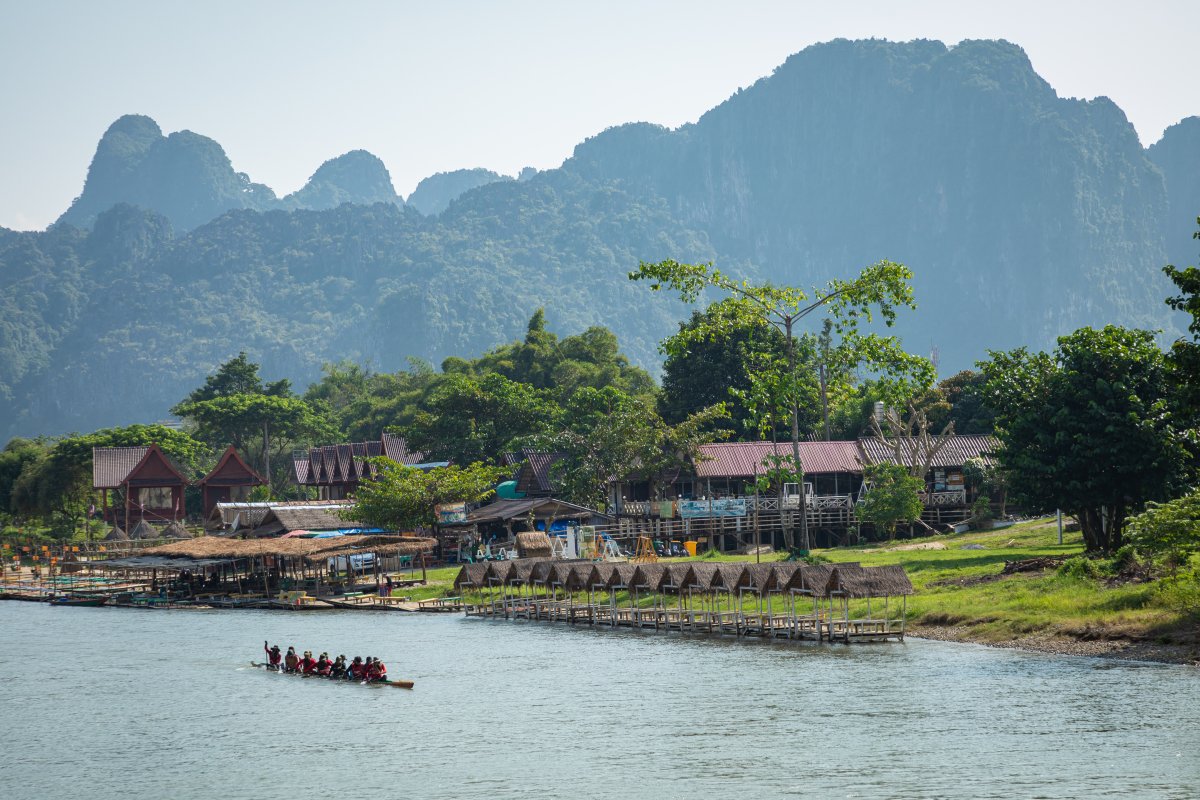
435	86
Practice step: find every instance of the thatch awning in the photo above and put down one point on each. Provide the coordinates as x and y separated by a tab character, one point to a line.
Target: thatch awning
622	575
498	572
763	578
850	580
700	576
473	575
649	576
309	549
602	575
157	562
541	571
676	575
732	577
889	581
810	579
533	544
117	535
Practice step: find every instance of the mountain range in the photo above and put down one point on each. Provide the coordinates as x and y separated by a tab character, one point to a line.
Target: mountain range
1023	215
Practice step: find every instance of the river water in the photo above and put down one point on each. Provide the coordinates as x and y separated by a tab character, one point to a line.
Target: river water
117	703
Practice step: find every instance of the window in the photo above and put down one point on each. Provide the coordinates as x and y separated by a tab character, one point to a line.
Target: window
155	497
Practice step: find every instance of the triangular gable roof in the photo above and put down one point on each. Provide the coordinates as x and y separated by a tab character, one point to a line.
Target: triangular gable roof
232	470
152	469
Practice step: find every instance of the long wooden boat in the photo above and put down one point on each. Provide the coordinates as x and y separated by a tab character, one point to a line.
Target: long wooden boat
392	683
73	600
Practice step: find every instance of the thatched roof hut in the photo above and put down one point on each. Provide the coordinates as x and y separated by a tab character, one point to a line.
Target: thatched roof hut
471	576
623	575
541	573
650	576
562	574
602	575
498	572
811	579
583	574
850	580
763	578
732	576
785	572
533	544
700	576
889	581
522	571
144	530
676	575
117	535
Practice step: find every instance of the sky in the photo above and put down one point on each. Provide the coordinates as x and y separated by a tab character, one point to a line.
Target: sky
436	86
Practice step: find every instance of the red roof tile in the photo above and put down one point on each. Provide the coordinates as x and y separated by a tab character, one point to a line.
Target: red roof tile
956	452
746	459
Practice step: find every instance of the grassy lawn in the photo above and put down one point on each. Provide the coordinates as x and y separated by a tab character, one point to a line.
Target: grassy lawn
958	584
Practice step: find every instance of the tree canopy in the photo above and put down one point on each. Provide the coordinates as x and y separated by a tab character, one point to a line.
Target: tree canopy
1088	428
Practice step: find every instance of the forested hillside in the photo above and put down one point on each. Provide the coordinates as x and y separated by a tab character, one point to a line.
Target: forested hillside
1022	214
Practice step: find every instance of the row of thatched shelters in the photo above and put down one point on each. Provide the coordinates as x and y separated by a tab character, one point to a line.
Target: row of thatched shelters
740	598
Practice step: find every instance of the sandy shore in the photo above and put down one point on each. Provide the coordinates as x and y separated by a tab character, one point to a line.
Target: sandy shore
1125	649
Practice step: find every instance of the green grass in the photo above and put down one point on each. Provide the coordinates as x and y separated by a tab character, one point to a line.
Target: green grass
1008	607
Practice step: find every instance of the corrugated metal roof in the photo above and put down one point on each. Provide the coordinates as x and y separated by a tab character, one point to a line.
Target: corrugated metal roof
111	465
956	452
746	459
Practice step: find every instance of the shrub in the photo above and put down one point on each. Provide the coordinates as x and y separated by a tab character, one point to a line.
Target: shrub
1079	567
1170	530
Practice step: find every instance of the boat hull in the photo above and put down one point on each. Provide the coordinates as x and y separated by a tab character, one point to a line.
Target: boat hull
392	683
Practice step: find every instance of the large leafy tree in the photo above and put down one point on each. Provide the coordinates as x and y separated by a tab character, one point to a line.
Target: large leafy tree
605	434
879	290
401	497
1088	428
1185	354
465	419
718	366
263	421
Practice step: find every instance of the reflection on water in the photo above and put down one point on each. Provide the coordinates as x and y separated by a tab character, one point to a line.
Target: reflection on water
113	703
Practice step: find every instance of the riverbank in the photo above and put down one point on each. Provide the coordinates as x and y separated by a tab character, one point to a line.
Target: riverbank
1002	588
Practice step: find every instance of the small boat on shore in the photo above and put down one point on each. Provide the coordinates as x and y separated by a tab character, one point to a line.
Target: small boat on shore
79	600
385	682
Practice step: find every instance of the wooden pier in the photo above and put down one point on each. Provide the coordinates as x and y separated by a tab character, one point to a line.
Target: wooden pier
821	602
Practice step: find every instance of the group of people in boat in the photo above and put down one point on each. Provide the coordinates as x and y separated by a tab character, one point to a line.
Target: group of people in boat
367	669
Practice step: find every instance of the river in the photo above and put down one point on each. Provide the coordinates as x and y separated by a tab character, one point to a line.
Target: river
115	703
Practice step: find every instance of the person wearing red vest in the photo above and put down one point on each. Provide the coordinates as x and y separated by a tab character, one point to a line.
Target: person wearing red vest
380	671
373	670
308	664
324	665
274	657
356	669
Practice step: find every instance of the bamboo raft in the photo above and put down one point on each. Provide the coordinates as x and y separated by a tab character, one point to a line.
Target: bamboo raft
821	602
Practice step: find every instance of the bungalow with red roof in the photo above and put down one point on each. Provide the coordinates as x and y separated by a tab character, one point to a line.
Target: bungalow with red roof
147	484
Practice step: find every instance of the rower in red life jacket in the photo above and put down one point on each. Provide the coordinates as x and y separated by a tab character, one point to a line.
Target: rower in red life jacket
274	657
308	664
373	670
356	669
291	662
324	665
380	670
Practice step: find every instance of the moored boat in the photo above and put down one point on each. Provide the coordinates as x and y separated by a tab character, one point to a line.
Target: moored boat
78	600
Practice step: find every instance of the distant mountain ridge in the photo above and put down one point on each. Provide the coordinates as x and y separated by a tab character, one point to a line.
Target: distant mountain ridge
1024	216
